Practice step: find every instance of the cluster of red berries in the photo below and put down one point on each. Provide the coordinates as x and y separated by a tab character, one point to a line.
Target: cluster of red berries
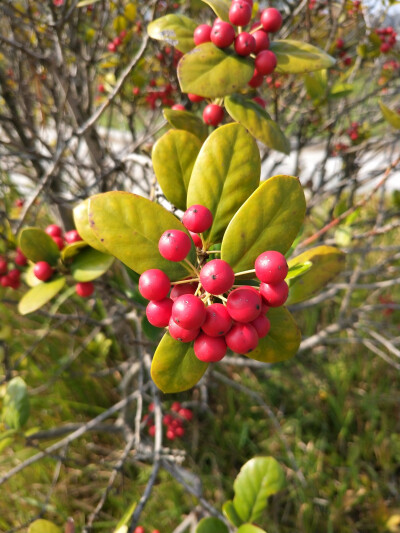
354	7
161	96
173	421
56	233
11	277
388	38
237	321
117	42
140	529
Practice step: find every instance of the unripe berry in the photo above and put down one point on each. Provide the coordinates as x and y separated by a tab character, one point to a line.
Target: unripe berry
197	218
196	239
271	267
213	114
174	245
240	13
271	19
178	107
265	62
222	34
158	312
154	284
72	236
244	305
217	276
84	289
188	311
182	288
242	338
195	97
245	44
53	230
218	321
275	294
202	34
261	39
42	270
262	325
182	334
209	349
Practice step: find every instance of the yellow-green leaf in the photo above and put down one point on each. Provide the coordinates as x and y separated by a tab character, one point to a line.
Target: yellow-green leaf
72	249
15	411
390	116
176	30
36	245
38	296
296	57
220	8
90	264
81	220
188	121
43	526
210	524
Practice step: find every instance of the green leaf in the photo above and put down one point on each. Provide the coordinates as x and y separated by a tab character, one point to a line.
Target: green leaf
43	526
36	297
258	478
339	90
175	368
176	30
269	220
390	116
16	404
152	332
296	57
316	85
72	249
255	119
173	158
211	525
185	120
81	220
122	524
130	226
212	72
229	511
36	245
226	172
250	528
90	264
327	262
282	341
298	270
220	8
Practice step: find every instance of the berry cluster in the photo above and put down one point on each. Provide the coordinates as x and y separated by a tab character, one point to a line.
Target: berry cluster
117	42
387	37
10	277
358	132
140	529
209	309
61	240
173	421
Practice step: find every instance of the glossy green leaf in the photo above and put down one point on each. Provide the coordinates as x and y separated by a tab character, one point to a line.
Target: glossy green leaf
269	220
250	528
72	249
257	121
173	158
296	57
81	220
176	30
212	72
327	262
90	264
282	341
229	511
298	270
258	479
130	226
15	412
175	368
390	116
43	526
36	297
188	121
220	8
211	525
226	172
36	245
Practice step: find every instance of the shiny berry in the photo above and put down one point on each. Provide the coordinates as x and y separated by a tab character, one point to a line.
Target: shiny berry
202	34
275	294
271	267
182	288
43	270
188	311
182	334
209	349
213	114
218	321
244	305
242	338
262	325
222	34
262	41
84	289
195	98
154	284
174	245
178	107
53	230
240	13
256	80
265	62
72	236
245	44
196	239
158	312
197	218
217	276
140	529
271	20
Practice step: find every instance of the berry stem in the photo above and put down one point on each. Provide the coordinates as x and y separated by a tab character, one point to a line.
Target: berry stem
184	281
260	27
213	251
222	298
252	271
192	268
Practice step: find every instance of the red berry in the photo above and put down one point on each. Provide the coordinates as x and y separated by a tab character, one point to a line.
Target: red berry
179	431
123	34
188	311
3	265
152	432
5	281
53	230
275	294
260	101
339	43
213	114
202	34
262	325
195	97
262	40
196	239
59	241
222	34
271	19
43	270
182	334
101	88
174	245
117	41
19	202
178	107
240	13
136	91
245	44
218	321
111	47
151	407
158	312
187	414
154	284
84	289
244	305
209	349
385	48
217	276
271	267
256	80
265	62
156	530
170	434
182	288
72	236
176	406
167	419
15	284
197	218
14	274
242	338
139	529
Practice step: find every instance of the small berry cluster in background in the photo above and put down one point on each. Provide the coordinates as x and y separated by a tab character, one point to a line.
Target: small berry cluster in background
387	37
11	277
174	421
141	529
117	42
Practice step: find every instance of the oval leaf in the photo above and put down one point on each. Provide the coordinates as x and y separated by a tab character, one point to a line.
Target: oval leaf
250	528
226	172
390	116
185	120
220	8
16	404
72	249
254	118
296	57
211	525
130	226
173	158
269	220
327	262
258	478
176	30
282	341
175	368
36	297
212	72
43	526
90	264
229	511
81	220
36	245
